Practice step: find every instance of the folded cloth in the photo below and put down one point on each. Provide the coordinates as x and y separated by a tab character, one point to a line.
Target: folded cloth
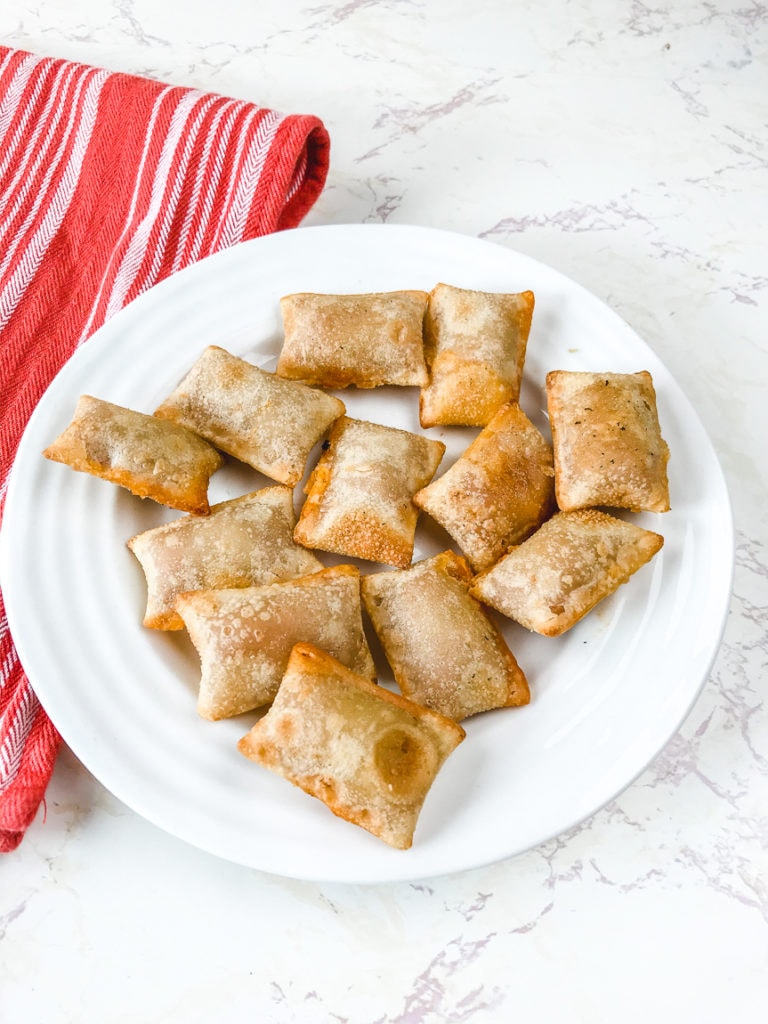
108	184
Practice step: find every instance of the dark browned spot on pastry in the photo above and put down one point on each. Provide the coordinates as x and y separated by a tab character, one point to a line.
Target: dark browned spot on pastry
325	789
402	762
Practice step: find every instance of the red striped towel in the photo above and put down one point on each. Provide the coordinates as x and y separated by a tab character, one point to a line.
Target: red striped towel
108	184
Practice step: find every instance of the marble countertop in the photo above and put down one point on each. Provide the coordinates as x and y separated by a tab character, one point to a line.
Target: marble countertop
623	144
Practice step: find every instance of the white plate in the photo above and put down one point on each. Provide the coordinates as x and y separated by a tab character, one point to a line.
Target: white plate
606	696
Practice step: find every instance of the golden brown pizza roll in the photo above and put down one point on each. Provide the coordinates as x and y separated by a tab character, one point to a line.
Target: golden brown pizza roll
444	649
364	340
607	441
267	422
359	494
474	343
244	542
560	573
244	636
150	457
497	492
370	755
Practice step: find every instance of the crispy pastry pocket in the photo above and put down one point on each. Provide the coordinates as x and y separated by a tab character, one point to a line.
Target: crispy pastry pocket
267	422
570	564
150	457
361	340
242	543
244	636
444	650
359	494
475	344
497	492
607	441
370	755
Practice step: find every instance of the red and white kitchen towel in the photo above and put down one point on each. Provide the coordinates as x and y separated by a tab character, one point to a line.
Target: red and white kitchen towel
108	184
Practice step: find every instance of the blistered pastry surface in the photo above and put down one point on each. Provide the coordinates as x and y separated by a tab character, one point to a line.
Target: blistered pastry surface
366	340
243	542
368	754
444	650
150	457
570	564
497	492
359	497
267	422
244	636
475	345
607	441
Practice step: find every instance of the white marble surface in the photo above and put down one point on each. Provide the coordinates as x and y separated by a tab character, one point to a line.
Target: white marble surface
624	144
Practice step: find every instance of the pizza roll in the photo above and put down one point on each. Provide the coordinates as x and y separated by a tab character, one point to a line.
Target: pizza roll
150	457
370	755
560	573
244	636
497	492
364	340
267	422
444	649
474	344
607	441
244	542
359	494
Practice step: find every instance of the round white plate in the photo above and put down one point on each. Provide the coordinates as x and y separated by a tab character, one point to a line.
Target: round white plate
606	696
